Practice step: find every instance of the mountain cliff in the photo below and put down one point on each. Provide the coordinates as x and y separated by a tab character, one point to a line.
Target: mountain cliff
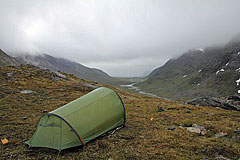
213	71
6	59
56	64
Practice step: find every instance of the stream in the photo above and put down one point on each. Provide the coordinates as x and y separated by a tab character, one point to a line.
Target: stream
131	86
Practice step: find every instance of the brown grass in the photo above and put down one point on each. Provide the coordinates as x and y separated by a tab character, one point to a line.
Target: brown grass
142	138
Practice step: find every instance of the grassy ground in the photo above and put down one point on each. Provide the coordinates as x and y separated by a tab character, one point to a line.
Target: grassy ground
146	135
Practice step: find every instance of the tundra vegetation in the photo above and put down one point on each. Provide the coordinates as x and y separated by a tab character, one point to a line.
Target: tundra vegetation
27	92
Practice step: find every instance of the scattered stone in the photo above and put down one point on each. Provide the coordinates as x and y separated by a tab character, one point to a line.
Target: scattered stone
26	91
194	130
235	98
188	111
231	103
44	111
171	128
24	118
221	134
237	131
197	129
10	74
220	157
181	127
60	75
160	108
197	126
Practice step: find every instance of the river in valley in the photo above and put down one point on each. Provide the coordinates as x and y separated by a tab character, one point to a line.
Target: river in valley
131	86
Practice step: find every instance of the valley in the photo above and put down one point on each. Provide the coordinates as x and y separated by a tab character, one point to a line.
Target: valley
27	92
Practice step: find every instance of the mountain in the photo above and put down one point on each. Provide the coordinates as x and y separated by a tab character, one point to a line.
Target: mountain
6	59
213	71
177	131
56	64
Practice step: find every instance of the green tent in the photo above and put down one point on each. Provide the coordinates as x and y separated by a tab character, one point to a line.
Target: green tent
80	121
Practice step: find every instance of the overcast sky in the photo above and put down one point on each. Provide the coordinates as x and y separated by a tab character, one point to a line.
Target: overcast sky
121	37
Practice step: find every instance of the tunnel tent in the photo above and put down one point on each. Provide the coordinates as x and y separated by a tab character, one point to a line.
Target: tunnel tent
80	121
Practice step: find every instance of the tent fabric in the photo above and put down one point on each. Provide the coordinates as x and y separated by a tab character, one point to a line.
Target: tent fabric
80	121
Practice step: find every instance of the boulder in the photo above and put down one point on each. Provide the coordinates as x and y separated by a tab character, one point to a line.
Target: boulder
231	103
197	129
171	128
160	108
221	134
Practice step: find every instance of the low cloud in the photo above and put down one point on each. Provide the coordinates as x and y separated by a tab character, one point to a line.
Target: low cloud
124	38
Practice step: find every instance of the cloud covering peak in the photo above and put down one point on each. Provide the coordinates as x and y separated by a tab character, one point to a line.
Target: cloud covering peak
124	38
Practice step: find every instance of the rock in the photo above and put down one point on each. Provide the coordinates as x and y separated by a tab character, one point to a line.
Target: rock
24	118
221	134
197	129
10	74
60	75
181	127
237	131
26	91
232	104
44	111
235	98
220	157
188	111
194	130
171	128
160	108
197	126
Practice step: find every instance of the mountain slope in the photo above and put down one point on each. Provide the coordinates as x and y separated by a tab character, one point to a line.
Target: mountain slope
6	59
146	135
200	72
55	64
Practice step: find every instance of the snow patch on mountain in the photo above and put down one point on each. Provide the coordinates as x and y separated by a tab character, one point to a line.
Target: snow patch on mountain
200	49
238	82
222	70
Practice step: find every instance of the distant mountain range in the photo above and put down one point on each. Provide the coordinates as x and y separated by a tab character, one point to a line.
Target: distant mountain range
6	59
58	64
213	71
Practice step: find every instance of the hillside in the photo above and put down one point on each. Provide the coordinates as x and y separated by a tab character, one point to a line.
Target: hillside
210	71
27	92
6	59
61	64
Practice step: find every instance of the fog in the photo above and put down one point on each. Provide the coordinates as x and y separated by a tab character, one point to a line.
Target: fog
123	38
